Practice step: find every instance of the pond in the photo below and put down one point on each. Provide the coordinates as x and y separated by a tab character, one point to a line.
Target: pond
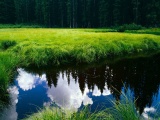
72	87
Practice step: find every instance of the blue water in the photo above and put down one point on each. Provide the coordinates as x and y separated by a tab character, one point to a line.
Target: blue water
96	85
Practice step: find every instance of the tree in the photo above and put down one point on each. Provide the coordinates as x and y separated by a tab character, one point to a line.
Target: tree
116	12
103	13
7	11
152	9
135	10
80	13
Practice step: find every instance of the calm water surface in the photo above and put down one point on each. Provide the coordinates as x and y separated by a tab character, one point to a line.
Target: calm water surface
73	87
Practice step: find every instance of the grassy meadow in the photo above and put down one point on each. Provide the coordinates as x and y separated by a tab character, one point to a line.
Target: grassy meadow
44	46
60	46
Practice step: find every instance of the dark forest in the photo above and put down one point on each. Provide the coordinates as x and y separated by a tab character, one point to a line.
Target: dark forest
80	13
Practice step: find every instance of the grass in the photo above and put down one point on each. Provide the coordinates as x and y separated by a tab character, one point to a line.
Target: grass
121	110
8	63
42	46
59	114
153	31
60	46
124	109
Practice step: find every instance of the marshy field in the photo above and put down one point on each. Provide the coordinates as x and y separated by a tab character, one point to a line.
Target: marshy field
43	48
58	46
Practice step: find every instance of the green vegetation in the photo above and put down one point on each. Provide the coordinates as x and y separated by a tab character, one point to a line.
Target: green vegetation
42	47
20	26
153	31
8	63
59	114
80	13
6	44
129	27
121	110
60	46
124	109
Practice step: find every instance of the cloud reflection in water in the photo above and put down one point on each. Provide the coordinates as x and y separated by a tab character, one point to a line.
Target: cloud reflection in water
68	96
147	112
27	81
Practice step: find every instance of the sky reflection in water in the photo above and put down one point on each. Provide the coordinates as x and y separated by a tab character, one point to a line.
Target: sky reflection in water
64	95
72	88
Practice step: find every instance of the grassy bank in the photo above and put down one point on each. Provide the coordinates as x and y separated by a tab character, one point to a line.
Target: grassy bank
60	46
42	47
8	63
122	110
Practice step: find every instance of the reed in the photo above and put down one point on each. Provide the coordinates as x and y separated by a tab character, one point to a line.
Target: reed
61	46
122	110
8	63
125	108
59	114
45	47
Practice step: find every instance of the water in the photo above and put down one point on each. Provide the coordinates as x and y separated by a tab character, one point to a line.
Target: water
96	85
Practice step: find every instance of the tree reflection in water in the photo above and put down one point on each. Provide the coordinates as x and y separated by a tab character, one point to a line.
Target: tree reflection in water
140	75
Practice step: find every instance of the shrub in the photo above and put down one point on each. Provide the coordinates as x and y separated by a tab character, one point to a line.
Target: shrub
121	29
7	43
20	26
132	26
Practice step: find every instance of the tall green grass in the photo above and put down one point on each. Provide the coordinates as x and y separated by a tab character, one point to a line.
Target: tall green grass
125	108
42	47
61	46
8	63
59	114
153	31
121	110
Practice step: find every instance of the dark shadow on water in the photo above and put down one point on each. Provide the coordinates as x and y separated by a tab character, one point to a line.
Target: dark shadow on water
4	99
140	75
